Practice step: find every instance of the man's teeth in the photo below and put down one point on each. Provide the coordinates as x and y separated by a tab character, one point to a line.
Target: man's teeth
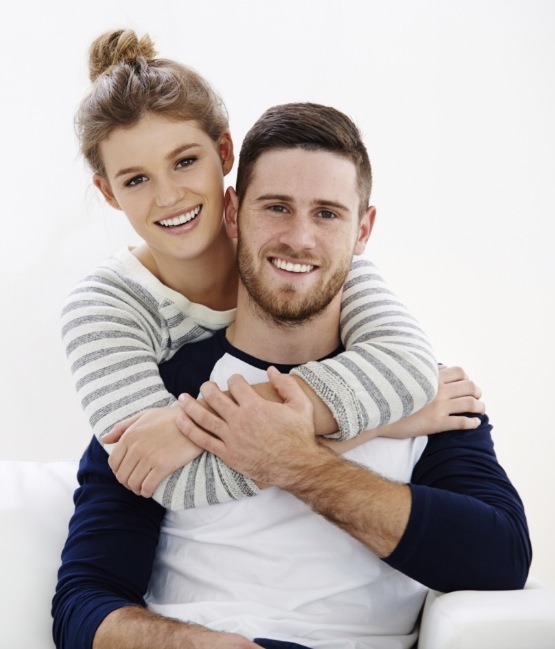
292	268
180	220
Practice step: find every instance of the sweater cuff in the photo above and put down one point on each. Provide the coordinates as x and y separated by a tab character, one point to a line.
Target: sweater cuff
338	396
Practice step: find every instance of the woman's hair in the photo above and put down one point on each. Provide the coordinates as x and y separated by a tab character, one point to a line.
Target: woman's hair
308	126
130	82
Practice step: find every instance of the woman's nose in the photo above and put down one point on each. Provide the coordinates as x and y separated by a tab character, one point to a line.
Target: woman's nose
168	193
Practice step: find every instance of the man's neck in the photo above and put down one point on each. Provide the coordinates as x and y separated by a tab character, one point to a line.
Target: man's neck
284	343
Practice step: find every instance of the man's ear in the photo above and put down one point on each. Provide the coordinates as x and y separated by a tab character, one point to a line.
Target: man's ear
231	212
104	187
225	149
365	229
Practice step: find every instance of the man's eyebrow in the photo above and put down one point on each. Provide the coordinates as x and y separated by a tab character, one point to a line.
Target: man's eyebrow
182	148
274	197
289	199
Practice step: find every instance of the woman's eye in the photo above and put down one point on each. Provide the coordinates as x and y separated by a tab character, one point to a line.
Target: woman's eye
136	180
186	162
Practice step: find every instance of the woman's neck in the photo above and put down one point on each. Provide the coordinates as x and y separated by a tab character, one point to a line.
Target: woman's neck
210	279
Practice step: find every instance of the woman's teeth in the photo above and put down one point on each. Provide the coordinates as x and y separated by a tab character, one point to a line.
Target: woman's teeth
180	220
292	268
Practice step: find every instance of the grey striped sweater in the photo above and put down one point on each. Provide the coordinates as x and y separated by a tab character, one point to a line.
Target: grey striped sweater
120	322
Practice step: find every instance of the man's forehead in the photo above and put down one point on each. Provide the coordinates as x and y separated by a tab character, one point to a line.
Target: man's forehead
296	170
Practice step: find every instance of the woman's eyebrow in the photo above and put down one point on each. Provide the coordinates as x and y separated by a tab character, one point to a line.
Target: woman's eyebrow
180	149
172	154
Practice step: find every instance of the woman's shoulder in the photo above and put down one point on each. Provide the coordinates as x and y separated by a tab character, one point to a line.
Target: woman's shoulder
121	277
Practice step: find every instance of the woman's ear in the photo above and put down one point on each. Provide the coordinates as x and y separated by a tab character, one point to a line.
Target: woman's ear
106	191
225	149
231	211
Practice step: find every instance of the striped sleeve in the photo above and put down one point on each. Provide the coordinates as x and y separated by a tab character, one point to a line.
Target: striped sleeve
118	325
388	370
113	344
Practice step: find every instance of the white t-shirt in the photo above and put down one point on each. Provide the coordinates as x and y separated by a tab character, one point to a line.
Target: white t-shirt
268	566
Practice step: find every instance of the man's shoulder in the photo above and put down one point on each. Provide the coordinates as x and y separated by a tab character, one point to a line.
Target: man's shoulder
192	364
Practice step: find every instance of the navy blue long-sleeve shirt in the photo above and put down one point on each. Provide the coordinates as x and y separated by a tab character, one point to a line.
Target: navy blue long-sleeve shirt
467	528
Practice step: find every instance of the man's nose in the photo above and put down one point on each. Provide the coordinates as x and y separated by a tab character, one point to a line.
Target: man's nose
299	233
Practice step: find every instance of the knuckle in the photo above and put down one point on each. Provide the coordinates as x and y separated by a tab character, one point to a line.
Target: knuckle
469	404
147	489
473	388
458	373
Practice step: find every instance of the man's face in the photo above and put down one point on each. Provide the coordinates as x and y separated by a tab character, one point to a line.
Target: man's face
298	228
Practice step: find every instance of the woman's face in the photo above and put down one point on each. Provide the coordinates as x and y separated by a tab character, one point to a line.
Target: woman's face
167	176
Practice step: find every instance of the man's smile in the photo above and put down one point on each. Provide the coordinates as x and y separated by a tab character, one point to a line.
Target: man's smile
292	267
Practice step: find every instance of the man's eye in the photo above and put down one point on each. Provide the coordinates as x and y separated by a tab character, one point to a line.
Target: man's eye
280	209
185	162
327	214
136	180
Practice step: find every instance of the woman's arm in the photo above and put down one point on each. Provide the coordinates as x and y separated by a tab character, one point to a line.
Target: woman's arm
117	326
388	370
456	406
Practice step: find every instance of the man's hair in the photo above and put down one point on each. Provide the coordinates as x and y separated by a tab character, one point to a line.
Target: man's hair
308	126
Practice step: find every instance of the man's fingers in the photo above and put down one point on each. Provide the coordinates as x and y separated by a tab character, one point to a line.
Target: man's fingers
201	416
200	437
241	391
287	388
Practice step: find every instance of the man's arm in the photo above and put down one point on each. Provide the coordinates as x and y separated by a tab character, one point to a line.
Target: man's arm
137	628
460	525
106	565
467	528
297	462
108	555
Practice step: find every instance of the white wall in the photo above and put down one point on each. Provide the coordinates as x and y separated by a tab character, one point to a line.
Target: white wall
457	103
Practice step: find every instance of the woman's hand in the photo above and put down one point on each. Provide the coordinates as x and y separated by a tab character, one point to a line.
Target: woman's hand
456	395
148	447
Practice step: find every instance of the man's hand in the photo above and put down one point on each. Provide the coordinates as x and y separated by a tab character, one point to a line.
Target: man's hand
246	431
150	448
275	444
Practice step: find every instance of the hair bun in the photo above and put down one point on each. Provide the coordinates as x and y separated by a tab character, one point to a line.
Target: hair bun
118	46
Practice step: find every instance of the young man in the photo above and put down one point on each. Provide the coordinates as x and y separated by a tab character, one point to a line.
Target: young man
407	514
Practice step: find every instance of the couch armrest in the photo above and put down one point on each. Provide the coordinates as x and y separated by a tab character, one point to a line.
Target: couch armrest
35	506
510	619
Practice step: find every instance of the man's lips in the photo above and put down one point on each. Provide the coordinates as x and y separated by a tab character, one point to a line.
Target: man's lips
290	266
181	219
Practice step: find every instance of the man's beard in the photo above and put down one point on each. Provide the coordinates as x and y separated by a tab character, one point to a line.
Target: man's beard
288	308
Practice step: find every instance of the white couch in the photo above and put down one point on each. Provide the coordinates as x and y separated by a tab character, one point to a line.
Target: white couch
36	504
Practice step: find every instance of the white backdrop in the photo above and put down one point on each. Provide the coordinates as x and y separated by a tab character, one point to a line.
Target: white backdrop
457	104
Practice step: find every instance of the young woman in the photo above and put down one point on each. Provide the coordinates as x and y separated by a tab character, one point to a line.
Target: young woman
156	137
